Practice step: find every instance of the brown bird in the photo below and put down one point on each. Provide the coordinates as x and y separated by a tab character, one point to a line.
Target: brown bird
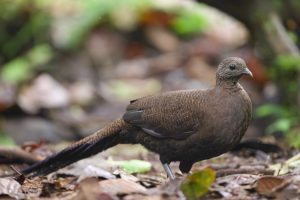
185	126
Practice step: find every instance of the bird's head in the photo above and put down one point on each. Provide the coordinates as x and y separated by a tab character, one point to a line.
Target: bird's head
231	70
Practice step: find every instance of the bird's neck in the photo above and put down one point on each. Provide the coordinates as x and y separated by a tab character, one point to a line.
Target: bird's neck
228	84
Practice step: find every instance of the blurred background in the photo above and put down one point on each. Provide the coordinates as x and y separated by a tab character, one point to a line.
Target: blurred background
69	67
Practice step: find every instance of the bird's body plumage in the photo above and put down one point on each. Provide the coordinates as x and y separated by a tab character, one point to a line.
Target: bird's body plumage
186	126
204	123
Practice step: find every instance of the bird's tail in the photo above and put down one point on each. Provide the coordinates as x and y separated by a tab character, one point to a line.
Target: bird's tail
93	144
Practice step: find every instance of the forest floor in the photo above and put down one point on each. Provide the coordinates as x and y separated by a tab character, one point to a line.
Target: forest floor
130	172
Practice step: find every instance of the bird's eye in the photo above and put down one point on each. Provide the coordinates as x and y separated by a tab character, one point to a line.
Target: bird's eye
232	66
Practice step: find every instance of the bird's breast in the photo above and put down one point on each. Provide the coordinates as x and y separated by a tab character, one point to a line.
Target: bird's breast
225	125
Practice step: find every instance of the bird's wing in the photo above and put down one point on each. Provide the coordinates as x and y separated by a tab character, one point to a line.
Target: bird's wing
168	115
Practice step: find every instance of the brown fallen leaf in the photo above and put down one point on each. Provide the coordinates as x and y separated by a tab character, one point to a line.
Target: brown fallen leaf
89	190
10	187
268	185
120	186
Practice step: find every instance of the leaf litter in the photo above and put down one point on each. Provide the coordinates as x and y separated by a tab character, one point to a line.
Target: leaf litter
230	176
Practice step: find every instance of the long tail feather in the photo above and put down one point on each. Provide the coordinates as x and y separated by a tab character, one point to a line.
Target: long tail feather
99	141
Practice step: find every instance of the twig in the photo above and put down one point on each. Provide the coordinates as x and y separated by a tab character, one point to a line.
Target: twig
16	170
16	155
278	36
226	172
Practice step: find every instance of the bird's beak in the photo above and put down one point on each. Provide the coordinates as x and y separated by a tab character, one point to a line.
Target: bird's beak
247	72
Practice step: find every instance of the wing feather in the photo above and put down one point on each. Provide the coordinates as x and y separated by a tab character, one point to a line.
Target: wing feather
167	115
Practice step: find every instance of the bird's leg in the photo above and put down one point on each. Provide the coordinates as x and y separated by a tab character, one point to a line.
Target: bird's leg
185	166
168	171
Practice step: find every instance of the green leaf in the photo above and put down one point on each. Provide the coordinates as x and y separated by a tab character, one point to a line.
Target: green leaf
189	22
293	137
16	70
133	166
197	184
36	28
282	124
22	68
40	54
93	12
293	36
288	62
6	140
270	109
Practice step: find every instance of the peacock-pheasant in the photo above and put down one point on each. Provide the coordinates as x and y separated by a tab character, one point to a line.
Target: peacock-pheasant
185	126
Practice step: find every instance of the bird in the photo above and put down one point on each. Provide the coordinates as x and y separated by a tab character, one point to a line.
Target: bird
184	126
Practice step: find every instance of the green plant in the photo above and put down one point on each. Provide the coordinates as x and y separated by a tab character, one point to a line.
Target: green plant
285	115
188	23
5	140
125	16
285	121
22	68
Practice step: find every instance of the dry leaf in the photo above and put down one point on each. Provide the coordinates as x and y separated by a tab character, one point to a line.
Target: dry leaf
120	186
89	190
84	172
287	166
10	187
268	185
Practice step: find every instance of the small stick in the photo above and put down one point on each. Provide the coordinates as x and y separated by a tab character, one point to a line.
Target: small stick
18	176
16	170
227	172
15	155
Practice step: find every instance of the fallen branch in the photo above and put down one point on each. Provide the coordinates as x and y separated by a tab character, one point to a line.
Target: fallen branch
10	155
